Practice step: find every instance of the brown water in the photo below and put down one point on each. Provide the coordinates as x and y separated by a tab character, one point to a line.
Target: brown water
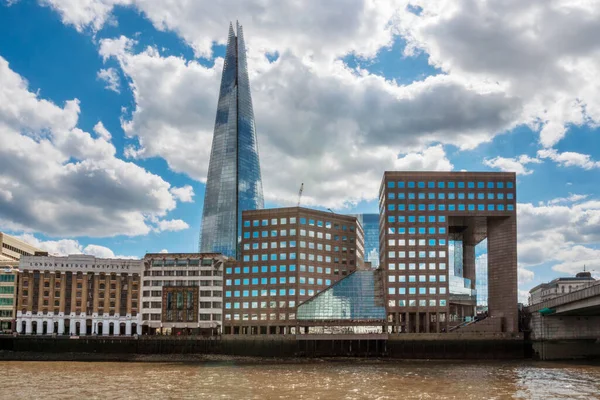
353	379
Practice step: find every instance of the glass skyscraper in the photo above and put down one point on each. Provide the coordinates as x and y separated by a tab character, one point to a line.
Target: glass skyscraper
370	225
234	181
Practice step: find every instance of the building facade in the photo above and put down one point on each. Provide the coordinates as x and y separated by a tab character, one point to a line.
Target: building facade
78	295
370	225
424	216
11	250
559	287
288	255
234	182
182	293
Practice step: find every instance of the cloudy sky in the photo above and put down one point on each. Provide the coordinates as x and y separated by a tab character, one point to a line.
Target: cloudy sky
107	109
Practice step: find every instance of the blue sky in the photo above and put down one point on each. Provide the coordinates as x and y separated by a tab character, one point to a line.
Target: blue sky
451	86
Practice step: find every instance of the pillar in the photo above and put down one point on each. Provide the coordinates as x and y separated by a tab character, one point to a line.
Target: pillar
28	326
105	327
61	326
129	283
427	321
19	325
40	304
73	327
107	294
118	296
51	292
96	300
502	271
82	327
116	328
128	328
84	293
30	287
40	327
63	294
469	261
50	327
139	329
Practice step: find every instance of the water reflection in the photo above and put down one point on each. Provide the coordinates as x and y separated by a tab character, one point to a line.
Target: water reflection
348	379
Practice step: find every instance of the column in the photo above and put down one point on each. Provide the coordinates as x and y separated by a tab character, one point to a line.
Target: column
437	322
105	326
19	293
82	327
73	327
84	293
63	294
30	292
502	271
19	325
51	292
28	326
128	328
118	296
61	325
129	283
139	329
427	321
40	326
406	322
50	327
95	300
107	294
40	304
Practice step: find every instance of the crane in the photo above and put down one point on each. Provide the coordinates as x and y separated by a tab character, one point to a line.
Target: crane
300	193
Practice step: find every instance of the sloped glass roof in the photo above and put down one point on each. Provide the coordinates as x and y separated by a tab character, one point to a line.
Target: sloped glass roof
359	296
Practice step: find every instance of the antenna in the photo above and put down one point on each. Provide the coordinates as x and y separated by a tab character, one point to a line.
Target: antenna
300	193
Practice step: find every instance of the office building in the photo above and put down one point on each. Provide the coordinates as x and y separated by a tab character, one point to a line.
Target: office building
234	182
431	222
560	286
370	225
288	255
11	250
78	295
182	293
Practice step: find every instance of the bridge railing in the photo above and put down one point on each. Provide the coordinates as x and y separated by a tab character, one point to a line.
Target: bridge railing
589	291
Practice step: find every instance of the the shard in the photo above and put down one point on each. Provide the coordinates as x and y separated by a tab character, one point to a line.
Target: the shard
234	181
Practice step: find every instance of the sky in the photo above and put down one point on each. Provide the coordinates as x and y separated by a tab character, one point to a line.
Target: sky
107	110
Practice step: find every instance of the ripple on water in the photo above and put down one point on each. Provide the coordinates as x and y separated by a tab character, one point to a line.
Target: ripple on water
351	379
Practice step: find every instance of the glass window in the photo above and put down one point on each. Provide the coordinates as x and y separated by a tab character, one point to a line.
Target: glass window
509	185
480	185
480	207
490	207
421	185
391	184
510	207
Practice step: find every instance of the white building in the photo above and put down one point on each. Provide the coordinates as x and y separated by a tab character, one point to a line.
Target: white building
560	286
78	295
182	293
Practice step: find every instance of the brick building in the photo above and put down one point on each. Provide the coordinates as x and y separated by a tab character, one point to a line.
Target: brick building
78	295
424	215
288	255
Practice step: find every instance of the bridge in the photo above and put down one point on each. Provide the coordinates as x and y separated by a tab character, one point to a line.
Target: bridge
567	326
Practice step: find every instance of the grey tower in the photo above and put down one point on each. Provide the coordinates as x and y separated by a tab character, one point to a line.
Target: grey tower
234	181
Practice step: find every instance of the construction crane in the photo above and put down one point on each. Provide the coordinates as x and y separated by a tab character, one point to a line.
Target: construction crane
300	193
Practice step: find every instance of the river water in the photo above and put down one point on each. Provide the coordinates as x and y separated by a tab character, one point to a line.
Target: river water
348	379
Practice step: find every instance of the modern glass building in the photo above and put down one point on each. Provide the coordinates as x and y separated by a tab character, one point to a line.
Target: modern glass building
370	224
234	182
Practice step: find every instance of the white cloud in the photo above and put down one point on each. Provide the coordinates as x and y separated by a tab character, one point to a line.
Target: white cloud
332	129
111	77
65	247
540	51
524	275
572	198
172	225
569	159
562	234
164	251
517	165
102	132
184	194
49	168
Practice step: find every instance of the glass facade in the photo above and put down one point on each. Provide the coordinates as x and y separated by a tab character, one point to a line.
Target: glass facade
370	224
359	296
234	182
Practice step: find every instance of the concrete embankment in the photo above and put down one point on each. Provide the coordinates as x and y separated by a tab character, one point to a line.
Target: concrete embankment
274	346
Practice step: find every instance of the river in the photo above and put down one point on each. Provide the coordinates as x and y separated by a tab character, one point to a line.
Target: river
347	379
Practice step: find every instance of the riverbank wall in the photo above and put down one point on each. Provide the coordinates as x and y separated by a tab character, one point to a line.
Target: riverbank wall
274	346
